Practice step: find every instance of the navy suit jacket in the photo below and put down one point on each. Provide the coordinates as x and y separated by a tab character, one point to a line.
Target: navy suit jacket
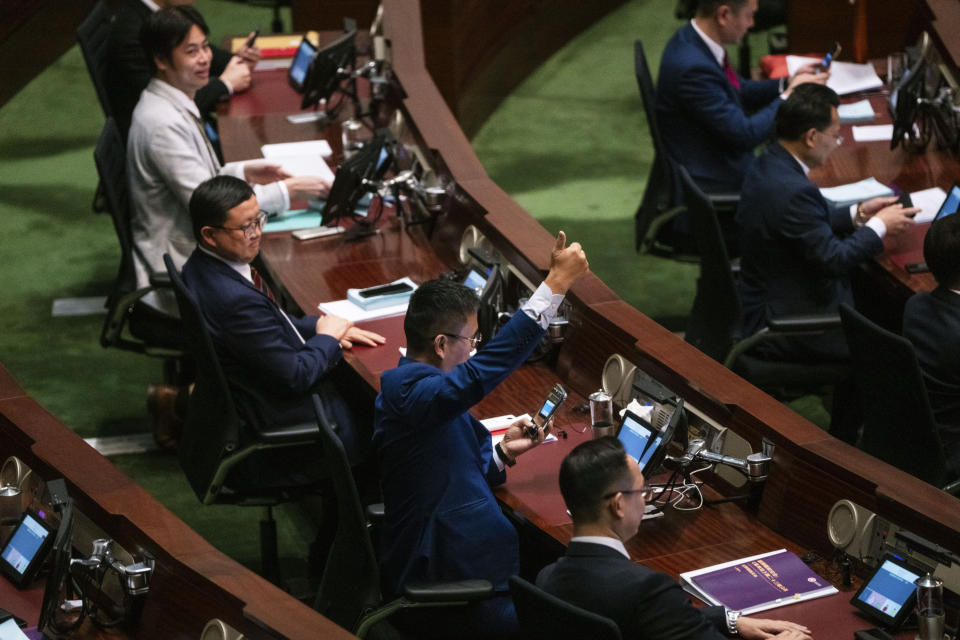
258	348
704	120
128	70
931	321
441	519
798	250
644	603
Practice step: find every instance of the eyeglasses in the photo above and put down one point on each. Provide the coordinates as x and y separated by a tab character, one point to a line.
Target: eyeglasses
645	493
474	341
839	139
250	228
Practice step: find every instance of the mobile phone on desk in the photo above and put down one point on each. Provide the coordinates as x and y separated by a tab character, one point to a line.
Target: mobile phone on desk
549	408
830	57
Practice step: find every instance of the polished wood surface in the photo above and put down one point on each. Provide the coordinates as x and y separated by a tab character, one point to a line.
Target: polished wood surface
476	51
810	471
192	583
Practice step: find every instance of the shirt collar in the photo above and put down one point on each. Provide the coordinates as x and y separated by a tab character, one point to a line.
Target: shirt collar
174	95
613	543
716	49
240	267
153	6
803	166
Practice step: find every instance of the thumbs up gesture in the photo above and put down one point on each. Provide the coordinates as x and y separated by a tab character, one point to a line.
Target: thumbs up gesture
566	265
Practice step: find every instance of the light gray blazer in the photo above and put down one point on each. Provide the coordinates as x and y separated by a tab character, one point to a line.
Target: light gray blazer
168	155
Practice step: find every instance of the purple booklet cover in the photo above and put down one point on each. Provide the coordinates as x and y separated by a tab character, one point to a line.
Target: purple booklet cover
762	582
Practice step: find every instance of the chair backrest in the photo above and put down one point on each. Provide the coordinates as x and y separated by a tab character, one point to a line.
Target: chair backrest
93	34
899	427
661	191
546	617
110	156
212	429
350	585
716	310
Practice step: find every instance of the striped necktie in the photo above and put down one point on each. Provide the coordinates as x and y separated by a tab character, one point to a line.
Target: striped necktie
260	284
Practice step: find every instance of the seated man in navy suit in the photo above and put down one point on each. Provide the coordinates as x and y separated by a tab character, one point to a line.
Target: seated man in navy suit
710	118
603	489
931	321
442	521
798	250
272	360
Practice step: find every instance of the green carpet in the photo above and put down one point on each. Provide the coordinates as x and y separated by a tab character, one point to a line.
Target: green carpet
570	145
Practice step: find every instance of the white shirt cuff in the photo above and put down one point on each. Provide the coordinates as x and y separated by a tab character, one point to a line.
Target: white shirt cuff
542	306
853	213
877	225
496	459
227	85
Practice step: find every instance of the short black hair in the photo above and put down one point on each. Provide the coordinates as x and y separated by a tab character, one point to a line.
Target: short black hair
212	200
589	472
808	107
687	9
164	30
941	250
435	307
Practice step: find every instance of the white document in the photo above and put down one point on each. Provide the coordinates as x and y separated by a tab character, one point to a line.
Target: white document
845	77
350	311
301	158
860	111
498	425
873	133
10	631
847	194
929	200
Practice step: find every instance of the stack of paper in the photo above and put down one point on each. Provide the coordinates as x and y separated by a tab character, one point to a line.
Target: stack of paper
353	313
929	200
873	133
860	111
845	77
847	194
301	158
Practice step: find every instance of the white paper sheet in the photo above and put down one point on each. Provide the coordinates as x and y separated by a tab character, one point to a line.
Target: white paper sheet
873	133
929	201
845	77
350	311
860	111
301	158
847	194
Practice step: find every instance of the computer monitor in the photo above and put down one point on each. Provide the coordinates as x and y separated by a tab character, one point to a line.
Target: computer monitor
369	163
331	64
644	442
297	75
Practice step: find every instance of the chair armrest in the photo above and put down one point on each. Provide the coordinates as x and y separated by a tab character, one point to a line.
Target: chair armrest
375	512
724	203
804	323
160	280
454	591
288	434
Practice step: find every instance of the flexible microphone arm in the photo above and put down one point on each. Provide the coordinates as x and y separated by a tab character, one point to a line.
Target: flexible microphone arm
755	466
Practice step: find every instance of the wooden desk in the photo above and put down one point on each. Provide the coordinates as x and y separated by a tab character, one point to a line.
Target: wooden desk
192	583
810	471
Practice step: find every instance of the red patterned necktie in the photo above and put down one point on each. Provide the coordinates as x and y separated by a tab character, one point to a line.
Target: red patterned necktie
729	72
260	284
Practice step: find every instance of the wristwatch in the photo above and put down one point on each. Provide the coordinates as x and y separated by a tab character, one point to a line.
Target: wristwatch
732	617
503	456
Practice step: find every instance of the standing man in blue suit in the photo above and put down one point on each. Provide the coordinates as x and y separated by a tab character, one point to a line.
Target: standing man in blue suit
438	465
272	360
710	118
798	250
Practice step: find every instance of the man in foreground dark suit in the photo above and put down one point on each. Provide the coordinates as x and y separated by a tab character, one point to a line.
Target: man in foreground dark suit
272	360
438	464
798	250
128	70
710	118
603	489
931	321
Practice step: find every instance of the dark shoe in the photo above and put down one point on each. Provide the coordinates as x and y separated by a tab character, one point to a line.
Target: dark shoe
167	424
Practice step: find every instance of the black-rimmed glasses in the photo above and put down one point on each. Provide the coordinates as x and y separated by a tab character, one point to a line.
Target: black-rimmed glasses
474	341
250	228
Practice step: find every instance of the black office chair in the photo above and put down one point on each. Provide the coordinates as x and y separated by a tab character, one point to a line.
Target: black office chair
715	318
216	439
546	617
663	197
93	35
899	427
349	591
153	337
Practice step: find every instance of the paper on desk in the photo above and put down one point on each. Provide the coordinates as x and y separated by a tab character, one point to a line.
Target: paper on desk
350	311
860	111
301	158
497	426
929	200
873	132
847	194
10	631
845	77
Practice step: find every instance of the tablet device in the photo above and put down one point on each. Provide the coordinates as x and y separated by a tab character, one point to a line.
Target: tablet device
636	434
888	595
476	279
301	62
950	205
21	557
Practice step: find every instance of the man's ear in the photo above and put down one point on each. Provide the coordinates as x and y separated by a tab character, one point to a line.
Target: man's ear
206	236
439	345
615	506
808	137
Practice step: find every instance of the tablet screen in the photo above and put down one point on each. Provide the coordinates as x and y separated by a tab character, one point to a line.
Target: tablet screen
301	62
635	435
888	594
950	205
23	553
475	280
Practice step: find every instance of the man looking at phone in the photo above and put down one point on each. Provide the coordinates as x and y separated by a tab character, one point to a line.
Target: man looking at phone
603	489
128	70
438	465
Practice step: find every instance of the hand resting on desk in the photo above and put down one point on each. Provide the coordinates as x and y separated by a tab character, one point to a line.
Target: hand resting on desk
345	332
759	628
